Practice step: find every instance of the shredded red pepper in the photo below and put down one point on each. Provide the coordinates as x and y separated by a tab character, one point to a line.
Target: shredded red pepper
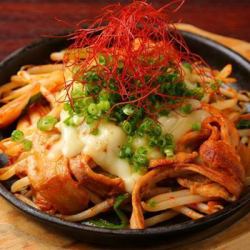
138	36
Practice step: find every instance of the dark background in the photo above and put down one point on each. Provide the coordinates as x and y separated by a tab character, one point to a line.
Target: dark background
22	21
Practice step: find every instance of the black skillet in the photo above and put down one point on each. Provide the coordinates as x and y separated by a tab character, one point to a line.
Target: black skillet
171	233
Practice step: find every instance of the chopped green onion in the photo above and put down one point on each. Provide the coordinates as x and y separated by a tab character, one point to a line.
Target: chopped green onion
102	60
77	91
17	135
196	126
243	124
91	76
95	131
27	144
118	115
152	203
169	138
126	151
89	119
146	126
67	107
114	98
104	105
153	142
112	85
74	120
186	109
168	77
187	66
104	95
140	156
46	123
169	152
77	120
127	127
69	121
214	86
128	109
169	145
93	109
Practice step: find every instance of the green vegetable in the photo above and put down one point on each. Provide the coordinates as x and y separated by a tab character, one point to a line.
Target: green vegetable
95	131
77	91
186	109
69	121
91	76
166	78
169	152
164	112
67	107
121	215
102	60
197	92
140	160
152	203
127	127
93	109
169	146
17	136
126	151
128	109
196	126
243	124
46	123
214	86
104	95
146	126
177	89
104	105
187	66
27	144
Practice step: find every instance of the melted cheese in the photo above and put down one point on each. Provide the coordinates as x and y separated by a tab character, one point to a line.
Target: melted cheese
104	147
178	125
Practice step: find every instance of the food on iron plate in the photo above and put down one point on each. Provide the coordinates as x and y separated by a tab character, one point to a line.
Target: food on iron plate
126	120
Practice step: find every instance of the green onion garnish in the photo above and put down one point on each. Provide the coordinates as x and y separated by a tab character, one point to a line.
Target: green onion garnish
27	144
169	152
93	109
102	60
128	109
196	126
46	123
17	136
186	109
243	124
104	105
187	66
127	127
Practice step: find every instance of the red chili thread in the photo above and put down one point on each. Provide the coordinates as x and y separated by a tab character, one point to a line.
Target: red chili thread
143	38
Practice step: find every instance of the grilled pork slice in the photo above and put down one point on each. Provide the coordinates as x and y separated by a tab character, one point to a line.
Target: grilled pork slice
203	186
96	182
52	181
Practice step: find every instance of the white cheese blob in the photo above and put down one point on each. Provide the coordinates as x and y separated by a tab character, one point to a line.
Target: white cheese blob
104	147
177	124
